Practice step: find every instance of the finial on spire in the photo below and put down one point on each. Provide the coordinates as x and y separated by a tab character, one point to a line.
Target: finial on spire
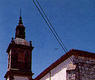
20	11
20	19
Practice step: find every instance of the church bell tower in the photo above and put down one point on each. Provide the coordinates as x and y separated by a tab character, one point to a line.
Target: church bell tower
19	56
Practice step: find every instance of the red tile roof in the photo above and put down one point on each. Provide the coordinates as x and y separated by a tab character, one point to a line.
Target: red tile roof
63	58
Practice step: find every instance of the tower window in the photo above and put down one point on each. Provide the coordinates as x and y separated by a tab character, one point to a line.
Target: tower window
21	57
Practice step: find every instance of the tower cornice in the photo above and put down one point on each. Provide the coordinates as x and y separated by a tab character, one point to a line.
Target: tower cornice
13	45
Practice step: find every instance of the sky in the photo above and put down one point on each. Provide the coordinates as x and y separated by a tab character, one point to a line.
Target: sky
73	20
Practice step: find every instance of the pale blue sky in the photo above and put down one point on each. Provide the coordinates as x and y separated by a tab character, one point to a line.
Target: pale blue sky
74	21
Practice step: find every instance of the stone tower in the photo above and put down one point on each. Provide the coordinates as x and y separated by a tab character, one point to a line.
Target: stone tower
19	56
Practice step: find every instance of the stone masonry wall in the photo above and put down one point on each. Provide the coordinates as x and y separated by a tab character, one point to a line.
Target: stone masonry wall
85	69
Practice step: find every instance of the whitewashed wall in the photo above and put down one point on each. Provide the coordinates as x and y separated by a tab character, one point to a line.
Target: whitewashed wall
59	72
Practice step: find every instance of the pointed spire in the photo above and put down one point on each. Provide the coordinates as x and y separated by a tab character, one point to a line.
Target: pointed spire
20	18
20	29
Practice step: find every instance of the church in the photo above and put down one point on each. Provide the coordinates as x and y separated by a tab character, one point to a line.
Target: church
74	65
